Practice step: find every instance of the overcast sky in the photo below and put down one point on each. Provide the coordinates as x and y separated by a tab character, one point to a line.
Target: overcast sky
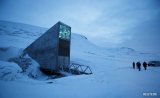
109	23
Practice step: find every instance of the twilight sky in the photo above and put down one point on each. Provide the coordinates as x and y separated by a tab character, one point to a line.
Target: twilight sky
109	23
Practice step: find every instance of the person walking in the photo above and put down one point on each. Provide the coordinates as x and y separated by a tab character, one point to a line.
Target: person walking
145	65
139	65
133	65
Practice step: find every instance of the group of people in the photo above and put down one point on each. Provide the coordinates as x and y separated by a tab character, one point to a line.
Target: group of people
138	65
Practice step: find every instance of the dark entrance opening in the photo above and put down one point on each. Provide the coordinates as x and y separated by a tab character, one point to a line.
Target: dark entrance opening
64	47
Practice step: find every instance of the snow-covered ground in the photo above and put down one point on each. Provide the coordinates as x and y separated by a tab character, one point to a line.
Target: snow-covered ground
113	76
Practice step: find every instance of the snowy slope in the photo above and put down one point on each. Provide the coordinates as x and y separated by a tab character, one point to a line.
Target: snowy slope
112	73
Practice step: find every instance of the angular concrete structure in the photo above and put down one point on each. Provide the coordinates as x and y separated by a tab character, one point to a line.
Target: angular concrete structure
52	49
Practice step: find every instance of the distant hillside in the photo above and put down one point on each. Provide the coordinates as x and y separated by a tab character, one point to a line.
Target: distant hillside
19	35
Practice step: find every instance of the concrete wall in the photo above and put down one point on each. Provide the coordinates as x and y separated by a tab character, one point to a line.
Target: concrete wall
45	49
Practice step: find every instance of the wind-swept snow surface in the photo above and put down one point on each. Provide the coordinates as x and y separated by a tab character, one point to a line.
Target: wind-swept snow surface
113	76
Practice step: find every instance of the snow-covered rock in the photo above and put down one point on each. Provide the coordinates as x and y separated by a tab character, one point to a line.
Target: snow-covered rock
9	71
